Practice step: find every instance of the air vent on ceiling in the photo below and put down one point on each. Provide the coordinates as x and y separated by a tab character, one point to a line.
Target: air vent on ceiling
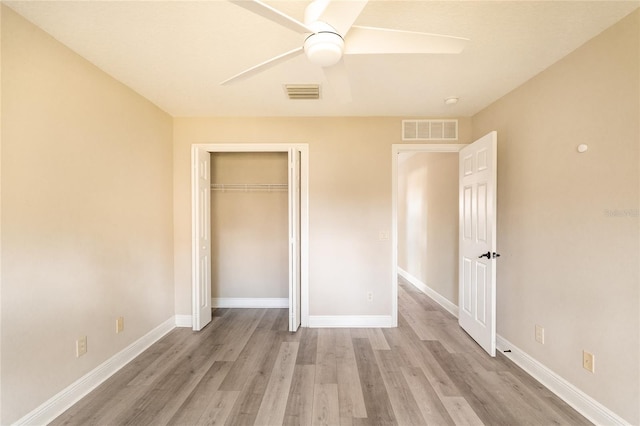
302	91
429	130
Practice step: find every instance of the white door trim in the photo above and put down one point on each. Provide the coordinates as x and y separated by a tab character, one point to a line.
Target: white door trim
397	149
295	317
304	210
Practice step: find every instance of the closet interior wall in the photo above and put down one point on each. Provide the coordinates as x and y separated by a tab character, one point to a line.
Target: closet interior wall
249	227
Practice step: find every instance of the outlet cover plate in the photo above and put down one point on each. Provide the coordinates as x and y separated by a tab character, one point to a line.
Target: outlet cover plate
540	334
119	324
588	361
81	346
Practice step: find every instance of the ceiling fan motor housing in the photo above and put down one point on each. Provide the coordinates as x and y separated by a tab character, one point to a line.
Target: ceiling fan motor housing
325	46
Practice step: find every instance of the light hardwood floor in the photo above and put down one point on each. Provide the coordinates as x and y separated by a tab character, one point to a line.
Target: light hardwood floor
245	368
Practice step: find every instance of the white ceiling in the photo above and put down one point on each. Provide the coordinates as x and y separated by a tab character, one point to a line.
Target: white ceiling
175	53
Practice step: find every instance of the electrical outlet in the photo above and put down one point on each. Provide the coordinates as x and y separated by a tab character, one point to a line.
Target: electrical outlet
588	361
540	334
383	235
81	346
370	296
119	324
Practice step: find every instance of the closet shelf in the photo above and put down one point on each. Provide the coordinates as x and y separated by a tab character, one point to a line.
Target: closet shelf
249	187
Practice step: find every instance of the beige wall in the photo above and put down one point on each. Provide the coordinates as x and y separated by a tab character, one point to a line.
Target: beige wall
249	230
569	261
350	202
86	216
428	220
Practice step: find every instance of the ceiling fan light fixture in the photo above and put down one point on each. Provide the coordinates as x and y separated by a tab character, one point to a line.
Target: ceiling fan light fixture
324	48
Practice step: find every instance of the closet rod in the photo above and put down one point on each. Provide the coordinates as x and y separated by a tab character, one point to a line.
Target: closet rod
249	187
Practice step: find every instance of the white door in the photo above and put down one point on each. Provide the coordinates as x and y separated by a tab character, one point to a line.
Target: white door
294	239
477	277
201	220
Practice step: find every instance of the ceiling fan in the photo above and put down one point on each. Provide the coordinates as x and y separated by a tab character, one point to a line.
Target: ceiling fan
330	34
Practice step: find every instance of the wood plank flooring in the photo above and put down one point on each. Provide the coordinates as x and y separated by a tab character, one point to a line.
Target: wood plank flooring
245	368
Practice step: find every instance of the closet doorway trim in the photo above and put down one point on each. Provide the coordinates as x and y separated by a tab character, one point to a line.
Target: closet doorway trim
304	218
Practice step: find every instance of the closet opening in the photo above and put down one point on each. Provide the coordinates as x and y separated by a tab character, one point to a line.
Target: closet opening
250	227
249	230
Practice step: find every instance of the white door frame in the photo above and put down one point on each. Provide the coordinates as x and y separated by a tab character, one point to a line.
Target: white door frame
304	212
397	149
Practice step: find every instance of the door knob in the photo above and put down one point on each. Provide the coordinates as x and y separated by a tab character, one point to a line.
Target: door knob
489	255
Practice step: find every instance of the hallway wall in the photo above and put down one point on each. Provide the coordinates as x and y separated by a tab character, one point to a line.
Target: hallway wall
428	220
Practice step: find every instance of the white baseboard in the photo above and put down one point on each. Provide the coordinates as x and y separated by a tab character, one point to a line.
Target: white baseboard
439	299
580	401
350	321
250	302
64	399
184	321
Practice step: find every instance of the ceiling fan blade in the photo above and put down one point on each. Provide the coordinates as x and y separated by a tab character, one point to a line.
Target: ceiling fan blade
369	40
264	65
342	14
338	81
268	12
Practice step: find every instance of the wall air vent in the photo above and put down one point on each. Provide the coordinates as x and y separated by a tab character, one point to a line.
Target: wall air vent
429	130
302	91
